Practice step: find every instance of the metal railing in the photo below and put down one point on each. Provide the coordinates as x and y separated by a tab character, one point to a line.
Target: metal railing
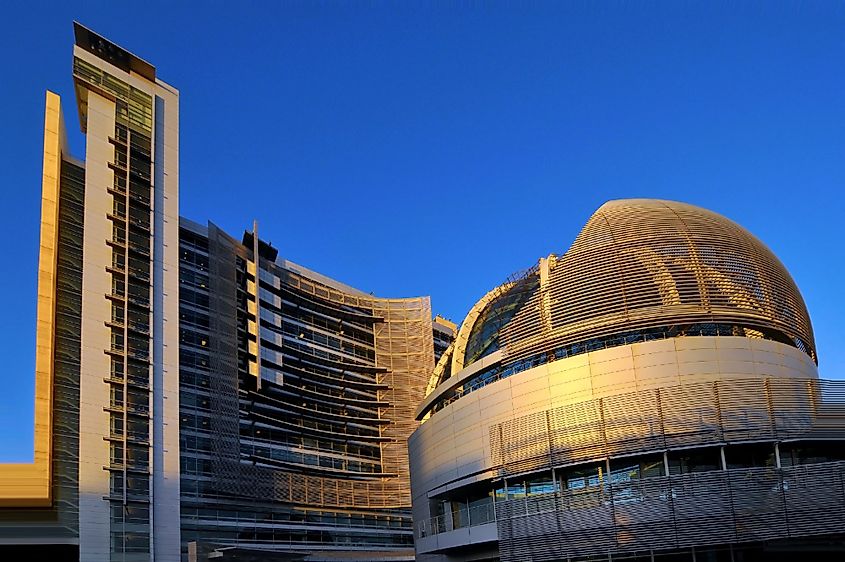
722	506
457	519
718	507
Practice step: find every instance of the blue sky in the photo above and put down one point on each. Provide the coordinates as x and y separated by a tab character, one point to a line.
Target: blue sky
409	148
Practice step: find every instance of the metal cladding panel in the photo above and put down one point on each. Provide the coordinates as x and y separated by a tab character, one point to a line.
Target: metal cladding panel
400	367
405	346
223	360
589	413
166	461
641	263
31	484
728	506
699	414
95	394
732	506
60	522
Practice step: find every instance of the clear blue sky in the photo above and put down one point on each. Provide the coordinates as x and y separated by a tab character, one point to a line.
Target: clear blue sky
411	149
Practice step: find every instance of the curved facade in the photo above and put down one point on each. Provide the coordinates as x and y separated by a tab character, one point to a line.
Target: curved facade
653	390
297	398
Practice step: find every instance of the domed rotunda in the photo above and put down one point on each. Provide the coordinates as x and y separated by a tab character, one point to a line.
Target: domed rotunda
651	392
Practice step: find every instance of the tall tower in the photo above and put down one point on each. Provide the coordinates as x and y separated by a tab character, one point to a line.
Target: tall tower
128	374
105	476
197	396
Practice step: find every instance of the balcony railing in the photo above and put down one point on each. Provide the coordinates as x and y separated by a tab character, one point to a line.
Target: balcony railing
140	409
135	196
729	506
722	506
457	519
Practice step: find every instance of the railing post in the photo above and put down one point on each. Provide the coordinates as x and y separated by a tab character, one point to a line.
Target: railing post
448	519
549	439
718	404
770	405
662	423
783	497
469	515
605	448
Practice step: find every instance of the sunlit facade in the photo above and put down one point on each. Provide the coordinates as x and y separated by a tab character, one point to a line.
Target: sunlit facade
107	411
297	397
198	397
651	394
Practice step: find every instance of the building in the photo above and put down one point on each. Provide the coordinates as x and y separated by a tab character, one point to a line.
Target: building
107	412
306	452
444	335
651	394
197	395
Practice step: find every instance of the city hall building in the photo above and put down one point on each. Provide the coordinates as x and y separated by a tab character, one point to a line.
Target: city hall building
198	396
651	394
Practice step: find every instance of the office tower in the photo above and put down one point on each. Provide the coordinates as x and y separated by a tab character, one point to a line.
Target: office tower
305	453
108	300
171	353
651	394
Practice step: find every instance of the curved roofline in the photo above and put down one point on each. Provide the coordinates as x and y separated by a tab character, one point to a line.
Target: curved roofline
656	260
461	340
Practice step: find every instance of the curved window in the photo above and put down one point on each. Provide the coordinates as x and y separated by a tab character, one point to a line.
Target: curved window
484	337
514	366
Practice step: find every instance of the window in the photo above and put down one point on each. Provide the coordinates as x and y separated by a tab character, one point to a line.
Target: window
750	455
119	234
118	285
627	469
696	460
118	313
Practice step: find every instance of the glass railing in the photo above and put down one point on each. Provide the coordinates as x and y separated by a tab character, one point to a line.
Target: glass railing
141	382
138	436
139	222
140	301
325	521
138	354
140	248
458	519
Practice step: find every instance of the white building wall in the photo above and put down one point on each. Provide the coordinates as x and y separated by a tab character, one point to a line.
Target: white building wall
165	330
165	537
96	336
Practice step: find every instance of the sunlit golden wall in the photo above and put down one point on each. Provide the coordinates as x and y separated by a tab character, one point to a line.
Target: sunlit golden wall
29	484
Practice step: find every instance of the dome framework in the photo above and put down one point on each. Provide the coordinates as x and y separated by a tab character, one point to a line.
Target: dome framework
652	392
641	263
